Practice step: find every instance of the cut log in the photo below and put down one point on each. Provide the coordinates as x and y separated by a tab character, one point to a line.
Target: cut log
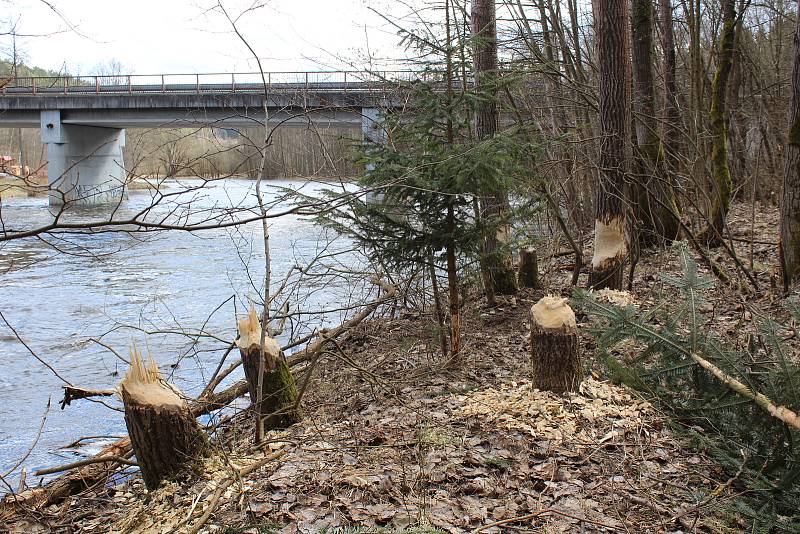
555	352
165	435
528	269
278	391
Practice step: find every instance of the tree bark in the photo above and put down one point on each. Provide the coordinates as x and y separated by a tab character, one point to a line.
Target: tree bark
528	269
722	184
494	202
165	436
654	204
555	351
278	393
790	200
611	224
670	113
452	285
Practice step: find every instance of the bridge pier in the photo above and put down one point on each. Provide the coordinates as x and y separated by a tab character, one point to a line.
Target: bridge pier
84	163
373	132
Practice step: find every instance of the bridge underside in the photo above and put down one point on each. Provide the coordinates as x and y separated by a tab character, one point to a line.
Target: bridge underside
183	118
85	135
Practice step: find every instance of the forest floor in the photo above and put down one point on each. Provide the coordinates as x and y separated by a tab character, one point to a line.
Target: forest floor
393	438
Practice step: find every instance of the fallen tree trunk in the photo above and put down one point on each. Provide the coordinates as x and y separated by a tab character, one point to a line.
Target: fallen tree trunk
72	393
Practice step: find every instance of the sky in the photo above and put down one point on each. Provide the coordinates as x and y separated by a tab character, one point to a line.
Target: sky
190	36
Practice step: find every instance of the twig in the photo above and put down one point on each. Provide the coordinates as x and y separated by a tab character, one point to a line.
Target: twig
225	485
542	512
81	463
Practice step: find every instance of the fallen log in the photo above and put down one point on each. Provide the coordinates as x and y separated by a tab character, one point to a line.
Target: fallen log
72	393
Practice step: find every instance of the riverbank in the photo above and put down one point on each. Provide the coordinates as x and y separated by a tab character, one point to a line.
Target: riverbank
393	436
15	187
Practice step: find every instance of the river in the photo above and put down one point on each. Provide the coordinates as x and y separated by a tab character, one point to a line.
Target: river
117	286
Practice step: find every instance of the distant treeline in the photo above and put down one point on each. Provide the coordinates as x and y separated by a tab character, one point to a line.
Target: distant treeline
210	152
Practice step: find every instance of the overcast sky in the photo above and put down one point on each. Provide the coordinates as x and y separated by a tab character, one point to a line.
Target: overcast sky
161	36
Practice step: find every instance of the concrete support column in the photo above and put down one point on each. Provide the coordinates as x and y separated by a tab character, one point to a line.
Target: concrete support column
84	163
373	132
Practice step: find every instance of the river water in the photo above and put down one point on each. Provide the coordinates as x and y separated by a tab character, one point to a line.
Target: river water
148	288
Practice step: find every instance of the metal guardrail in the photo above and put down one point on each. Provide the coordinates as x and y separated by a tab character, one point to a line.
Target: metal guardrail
250	82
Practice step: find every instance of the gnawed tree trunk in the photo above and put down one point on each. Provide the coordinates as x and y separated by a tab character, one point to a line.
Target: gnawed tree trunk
165	435
278	396
611	224
722	184
655	207
555	351
494	203
790	200
528	269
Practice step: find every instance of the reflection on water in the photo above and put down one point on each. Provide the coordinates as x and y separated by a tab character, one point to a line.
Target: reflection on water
159	282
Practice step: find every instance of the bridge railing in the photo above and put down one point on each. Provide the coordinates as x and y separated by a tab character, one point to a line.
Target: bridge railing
272	82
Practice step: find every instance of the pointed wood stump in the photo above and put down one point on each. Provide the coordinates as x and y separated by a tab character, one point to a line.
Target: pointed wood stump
165	435
278	388
555	351
528	269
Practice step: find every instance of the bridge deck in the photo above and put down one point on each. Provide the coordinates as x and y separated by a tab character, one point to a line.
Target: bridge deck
189	100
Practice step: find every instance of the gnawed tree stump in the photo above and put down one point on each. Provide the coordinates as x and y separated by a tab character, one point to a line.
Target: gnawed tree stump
555	352
528	269
164	433
278	389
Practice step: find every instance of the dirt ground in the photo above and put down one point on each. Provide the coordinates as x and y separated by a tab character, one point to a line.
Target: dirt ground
396	439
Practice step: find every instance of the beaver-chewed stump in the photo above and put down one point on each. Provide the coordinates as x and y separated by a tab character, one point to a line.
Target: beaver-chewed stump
528	269
555	351
165	436
278	407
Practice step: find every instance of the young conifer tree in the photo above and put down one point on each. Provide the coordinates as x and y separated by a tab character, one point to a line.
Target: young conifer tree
431	171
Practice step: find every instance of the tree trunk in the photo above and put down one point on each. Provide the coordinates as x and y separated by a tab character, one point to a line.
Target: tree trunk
670	114
654	198
528	269
164	433
722	184
790	201
452	284
555	351
437	305
278	406
494	202
611	224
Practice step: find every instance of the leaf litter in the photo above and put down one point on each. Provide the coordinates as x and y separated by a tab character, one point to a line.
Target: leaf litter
392	439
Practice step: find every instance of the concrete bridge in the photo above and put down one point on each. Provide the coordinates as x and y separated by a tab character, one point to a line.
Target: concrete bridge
83	119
